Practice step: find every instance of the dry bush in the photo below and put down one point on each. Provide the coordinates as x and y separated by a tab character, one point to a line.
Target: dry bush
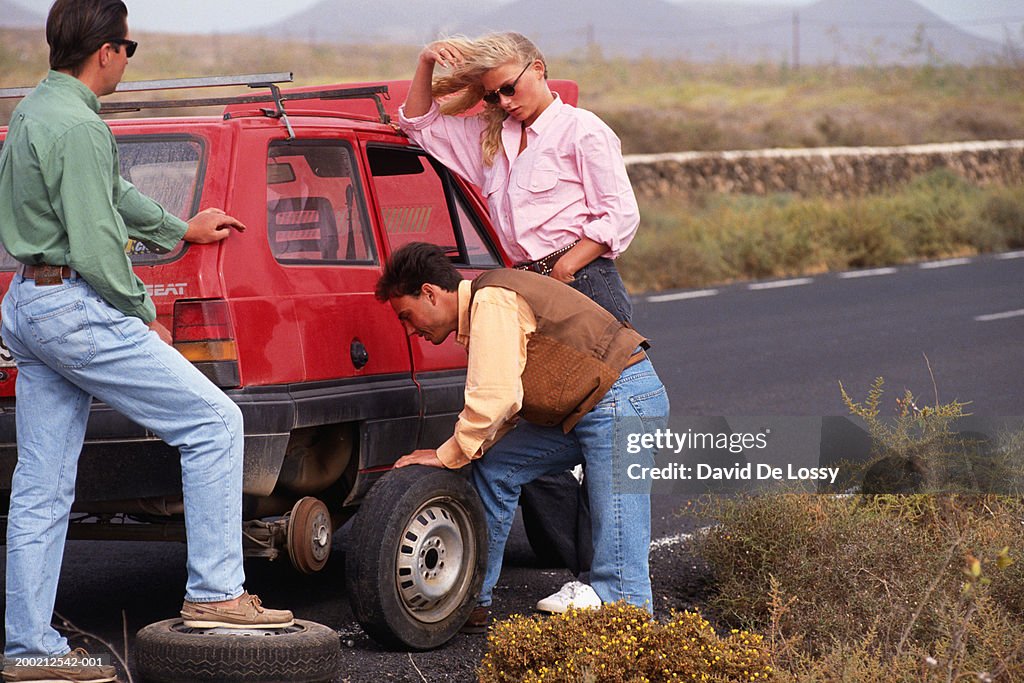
620	643
819	572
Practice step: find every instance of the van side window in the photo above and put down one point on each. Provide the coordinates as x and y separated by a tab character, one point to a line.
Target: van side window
419	202
315	207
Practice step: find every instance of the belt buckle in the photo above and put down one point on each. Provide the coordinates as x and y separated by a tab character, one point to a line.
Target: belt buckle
48	275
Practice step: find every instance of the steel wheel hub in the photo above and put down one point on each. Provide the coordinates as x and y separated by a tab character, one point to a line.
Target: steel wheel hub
431	560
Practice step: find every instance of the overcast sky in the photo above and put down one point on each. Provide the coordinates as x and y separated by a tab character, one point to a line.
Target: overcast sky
225	16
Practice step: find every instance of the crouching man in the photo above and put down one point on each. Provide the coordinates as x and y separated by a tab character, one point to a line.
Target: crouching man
553	380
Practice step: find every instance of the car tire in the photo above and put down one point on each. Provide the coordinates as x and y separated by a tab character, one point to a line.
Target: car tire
416	559
170	652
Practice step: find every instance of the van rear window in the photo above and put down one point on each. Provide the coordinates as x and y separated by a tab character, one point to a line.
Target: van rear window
168	169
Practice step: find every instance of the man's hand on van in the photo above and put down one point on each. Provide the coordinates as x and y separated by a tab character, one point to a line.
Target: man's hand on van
211	225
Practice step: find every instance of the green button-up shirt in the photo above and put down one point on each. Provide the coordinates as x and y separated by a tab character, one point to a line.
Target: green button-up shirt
63	200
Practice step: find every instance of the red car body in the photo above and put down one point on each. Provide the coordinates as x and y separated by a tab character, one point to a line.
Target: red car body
283	316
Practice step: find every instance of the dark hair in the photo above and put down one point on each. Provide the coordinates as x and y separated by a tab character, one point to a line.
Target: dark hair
413	265
77	28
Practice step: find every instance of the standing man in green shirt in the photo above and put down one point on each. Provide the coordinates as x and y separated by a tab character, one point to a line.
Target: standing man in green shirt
80	325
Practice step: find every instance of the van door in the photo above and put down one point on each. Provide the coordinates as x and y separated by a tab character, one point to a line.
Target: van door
418	200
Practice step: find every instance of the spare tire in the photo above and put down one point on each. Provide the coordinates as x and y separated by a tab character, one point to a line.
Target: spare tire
416	557
170	652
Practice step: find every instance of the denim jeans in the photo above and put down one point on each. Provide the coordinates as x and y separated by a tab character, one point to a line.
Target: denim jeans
556	498
69	346
600	281
620	508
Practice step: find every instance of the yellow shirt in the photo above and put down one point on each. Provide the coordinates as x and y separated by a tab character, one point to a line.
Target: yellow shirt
495	332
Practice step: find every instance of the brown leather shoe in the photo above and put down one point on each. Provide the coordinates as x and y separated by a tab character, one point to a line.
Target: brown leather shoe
479	620
250	613
75	666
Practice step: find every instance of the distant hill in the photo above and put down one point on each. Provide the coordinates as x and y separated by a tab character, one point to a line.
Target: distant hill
15	16
839	31
372	21
830	31
998	20
651	27
853	32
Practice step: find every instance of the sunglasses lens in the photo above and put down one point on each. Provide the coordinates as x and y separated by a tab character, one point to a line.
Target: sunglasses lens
129	49
493	97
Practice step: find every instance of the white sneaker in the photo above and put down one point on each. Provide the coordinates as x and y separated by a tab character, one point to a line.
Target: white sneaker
572	594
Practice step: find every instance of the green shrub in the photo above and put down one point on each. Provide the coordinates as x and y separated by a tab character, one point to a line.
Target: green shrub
620	643
916	451
1004	213
712	239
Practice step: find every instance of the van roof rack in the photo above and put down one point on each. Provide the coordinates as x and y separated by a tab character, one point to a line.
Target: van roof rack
266	80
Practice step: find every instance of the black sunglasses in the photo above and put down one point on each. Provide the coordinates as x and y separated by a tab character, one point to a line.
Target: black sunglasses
130	46
509	90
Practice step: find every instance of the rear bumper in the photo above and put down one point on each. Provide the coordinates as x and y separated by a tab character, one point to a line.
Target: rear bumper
120	460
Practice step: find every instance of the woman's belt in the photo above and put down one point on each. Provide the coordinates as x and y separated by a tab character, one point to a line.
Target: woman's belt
545	265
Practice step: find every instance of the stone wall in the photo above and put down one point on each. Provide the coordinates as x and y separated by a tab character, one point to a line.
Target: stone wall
831	171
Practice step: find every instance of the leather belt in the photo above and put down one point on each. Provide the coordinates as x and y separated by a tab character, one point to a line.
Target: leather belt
636	358
45	275
545	265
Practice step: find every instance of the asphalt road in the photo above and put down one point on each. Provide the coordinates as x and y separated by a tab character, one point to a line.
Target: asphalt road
776	348
781	347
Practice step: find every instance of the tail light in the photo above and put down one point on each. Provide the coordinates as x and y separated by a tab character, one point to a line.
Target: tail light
203	333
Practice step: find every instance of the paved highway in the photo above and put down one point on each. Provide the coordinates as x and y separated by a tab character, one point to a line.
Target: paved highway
767	348
781	347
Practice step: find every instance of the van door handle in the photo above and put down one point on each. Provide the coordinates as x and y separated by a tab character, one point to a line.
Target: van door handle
360	356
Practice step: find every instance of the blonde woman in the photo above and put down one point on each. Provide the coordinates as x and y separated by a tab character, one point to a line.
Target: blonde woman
560	199
552	174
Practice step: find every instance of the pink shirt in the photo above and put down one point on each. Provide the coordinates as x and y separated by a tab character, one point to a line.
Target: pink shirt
569	182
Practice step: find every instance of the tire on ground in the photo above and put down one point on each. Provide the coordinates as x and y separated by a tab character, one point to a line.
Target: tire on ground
170	652
416	558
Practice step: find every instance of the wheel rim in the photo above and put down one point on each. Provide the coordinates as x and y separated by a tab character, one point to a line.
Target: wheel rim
436	554
240	632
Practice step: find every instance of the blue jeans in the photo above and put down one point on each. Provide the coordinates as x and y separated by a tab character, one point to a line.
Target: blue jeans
601	282
69	346
553	497
620	508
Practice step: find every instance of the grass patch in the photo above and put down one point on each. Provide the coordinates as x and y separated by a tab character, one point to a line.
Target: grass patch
859	589
915	586
720	238
653	105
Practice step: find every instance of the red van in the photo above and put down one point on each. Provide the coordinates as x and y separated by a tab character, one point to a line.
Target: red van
284	320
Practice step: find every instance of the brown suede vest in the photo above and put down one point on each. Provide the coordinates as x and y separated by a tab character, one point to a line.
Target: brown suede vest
576	354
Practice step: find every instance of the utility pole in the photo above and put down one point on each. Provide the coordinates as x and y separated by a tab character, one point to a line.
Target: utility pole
796	40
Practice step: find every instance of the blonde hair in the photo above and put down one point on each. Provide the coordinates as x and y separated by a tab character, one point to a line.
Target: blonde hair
463	88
